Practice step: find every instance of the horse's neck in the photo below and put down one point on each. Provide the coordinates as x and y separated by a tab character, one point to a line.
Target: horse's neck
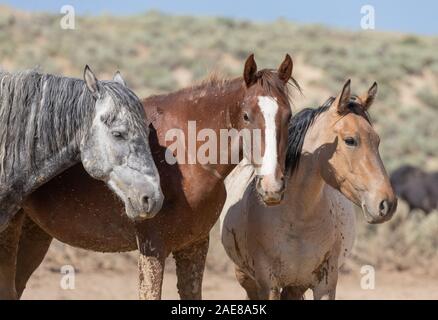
42	147
52	166
214	107
306	185
23	182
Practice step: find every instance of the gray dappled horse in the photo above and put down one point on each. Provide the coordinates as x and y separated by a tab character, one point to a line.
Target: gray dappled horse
48	123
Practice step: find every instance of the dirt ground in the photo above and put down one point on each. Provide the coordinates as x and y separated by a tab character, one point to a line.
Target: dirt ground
114	276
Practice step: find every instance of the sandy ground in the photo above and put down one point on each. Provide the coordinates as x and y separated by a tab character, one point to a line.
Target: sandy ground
111	285
114	276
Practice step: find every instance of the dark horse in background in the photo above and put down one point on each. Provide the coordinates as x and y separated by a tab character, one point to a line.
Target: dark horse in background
417	187
81	212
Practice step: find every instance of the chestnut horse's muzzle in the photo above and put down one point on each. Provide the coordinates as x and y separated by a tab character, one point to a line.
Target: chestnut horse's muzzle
271	191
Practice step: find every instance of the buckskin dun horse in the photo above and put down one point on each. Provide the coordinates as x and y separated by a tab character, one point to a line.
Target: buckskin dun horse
49	123
333	159
194	193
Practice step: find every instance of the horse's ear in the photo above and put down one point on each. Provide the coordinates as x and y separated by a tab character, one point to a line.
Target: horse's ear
91	81
369	97
343	99
118	78
249	73
285	69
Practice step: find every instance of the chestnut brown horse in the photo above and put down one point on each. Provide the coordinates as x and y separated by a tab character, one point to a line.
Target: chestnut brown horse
81	212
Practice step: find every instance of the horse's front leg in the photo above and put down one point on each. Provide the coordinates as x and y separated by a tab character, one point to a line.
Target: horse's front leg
267	282
9	239
33	246
151	263
268	292
247	283
190	265
325	288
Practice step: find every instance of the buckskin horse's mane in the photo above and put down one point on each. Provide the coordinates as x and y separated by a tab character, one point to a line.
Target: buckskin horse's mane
303	120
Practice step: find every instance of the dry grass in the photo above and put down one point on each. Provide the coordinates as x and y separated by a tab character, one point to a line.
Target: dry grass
408	241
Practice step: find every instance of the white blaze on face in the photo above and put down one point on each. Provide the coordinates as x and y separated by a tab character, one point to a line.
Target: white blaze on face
269	108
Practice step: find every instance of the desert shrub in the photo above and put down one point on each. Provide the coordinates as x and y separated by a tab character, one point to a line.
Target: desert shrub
408	241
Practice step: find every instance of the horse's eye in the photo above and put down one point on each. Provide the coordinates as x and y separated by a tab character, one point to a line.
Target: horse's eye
351	142
246	117
117	134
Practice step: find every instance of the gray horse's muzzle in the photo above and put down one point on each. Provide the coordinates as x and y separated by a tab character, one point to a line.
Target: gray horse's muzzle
141	193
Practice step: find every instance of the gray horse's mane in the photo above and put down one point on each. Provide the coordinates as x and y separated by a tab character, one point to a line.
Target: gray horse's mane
42	115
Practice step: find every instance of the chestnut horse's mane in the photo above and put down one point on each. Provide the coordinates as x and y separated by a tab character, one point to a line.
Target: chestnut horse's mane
303	120
266	78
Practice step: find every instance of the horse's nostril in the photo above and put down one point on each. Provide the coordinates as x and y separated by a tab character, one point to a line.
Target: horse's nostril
283	184
259	183
145	202
384	207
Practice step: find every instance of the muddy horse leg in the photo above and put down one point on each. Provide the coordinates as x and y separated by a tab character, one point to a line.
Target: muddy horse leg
32	248
266	280
190	265
151	261
325	289
247	283
9	239
267	291
151	268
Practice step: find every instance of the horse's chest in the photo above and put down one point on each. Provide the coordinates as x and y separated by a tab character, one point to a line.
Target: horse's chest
192	214
304	252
